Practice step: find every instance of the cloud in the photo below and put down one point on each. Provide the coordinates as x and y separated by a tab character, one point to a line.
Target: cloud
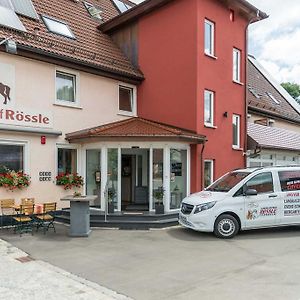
275	41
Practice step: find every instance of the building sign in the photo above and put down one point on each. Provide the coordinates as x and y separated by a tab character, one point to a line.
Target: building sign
45	176
7	85
25	117
10	113
176	169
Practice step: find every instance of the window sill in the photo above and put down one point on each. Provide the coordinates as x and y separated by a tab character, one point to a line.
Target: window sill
237	82
67	105
237	148
126	113
210	126
210	55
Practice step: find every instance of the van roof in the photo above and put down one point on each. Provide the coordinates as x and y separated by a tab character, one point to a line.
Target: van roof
253	169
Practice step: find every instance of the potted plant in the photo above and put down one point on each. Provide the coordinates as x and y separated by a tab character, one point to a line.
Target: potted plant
12	180
158	194
69	181
111	193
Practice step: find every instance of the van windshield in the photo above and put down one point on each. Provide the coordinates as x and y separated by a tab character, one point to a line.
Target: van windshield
227	182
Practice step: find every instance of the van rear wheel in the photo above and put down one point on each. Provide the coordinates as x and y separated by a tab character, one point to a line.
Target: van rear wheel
226	227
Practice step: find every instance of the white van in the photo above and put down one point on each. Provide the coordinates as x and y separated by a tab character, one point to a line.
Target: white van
245	199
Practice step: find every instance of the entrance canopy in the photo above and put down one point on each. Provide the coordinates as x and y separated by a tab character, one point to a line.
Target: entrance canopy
138	129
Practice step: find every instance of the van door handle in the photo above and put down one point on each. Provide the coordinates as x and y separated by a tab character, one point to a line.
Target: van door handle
273	196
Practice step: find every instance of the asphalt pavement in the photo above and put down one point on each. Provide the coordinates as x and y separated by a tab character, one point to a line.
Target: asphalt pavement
176	263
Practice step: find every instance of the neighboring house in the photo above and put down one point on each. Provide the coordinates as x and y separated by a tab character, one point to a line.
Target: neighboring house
132	118
273	120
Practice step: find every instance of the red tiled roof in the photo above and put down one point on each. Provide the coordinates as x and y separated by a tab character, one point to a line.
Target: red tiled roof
91	46
137	128
273	137
264	104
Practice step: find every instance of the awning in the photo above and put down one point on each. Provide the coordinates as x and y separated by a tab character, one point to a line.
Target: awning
272	138
136	129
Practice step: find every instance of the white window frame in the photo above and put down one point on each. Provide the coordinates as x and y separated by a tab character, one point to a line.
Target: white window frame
236	65
212	165
74	74
68	146
236	120
212	106
133	113
212	38
25	145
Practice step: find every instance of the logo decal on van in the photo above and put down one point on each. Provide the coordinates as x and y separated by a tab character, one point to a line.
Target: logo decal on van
255	213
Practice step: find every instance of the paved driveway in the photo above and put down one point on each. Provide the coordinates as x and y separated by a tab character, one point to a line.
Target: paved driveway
177	263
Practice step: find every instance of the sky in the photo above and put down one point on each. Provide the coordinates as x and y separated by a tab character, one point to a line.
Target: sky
275	42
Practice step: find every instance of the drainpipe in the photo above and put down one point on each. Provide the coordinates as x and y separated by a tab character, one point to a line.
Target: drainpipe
246	86
201	165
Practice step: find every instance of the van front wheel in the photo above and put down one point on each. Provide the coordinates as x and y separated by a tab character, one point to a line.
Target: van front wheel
226	227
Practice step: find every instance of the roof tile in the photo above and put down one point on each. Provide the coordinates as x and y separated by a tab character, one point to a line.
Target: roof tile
90	46
261	86
273	137
135	128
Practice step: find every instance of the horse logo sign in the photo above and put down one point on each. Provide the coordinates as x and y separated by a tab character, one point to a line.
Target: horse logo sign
5	92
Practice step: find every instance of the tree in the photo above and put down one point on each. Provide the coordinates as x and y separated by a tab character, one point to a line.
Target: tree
293	89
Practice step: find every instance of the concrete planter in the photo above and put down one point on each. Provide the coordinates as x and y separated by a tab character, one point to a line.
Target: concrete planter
159	209
111	208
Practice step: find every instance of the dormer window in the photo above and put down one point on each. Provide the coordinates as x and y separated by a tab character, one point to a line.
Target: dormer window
253	92
58	27
93	11
273	98
122	7
8	18
25	8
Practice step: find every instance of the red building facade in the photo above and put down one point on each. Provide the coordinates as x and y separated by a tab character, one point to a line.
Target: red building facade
171	40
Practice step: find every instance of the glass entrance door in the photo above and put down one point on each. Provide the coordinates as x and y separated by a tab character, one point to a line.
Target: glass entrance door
93	174
113	176
135	179
178	177
157	177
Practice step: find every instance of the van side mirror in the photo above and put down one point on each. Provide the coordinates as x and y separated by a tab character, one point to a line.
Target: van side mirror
250	192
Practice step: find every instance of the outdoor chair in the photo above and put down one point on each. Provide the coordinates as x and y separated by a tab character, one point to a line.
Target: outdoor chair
24	219
7	211
46	219
25	201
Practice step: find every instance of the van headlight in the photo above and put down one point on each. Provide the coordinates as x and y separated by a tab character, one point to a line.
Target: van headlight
204	206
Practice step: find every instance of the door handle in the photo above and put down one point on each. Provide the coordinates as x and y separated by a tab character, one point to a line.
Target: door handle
273	196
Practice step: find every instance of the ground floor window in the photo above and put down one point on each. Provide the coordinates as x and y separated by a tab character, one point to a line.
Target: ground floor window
11	157
208	172
66	160
266	159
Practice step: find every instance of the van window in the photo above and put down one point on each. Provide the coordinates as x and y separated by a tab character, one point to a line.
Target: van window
227	182
289	180
262	183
